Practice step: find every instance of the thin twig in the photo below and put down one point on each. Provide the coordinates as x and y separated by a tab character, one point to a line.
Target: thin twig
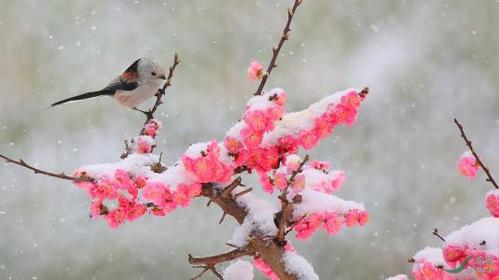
222	219
475	154
226	193
161	92
216	259
435	232
275	50
61	175
286	206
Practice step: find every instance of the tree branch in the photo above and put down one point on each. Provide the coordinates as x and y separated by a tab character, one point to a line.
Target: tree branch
267	249
286	206
480	162
275	50
61	175
216	259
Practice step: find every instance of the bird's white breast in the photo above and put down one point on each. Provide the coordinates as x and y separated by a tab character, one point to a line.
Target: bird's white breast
134	98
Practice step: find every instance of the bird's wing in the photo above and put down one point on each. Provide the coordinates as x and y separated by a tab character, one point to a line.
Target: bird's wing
120	83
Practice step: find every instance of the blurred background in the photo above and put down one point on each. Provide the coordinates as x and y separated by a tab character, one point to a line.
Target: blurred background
425	62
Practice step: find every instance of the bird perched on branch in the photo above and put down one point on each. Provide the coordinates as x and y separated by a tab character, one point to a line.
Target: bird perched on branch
138	83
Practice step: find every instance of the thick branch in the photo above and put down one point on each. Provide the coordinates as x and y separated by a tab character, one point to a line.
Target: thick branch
275	50
268	250
61	175
477	158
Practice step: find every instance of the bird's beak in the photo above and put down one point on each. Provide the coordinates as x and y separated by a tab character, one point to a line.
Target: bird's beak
162	77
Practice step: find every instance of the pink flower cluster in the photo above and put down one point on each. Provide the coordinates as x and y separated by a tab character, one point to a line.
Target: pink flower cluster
243	141
468	165
136	195
144	144
492	202
426	270
281	176
152	127
320	178
482	263
331	222
133	194
343	112
207	163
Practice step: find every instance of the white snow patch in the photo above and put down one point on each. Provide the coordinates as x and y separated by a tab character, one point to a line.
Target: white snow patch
239	270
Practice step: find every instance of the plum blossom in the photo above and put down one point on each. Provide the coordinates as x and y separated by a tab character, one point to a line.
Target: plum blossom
255	71
468	165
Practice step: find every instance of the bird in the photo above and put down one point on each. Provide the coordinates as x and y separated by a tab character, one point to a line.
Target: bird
139	82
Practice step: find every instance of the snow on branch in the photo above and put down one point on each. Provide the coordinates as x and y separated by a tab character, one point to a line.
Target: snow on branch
265	141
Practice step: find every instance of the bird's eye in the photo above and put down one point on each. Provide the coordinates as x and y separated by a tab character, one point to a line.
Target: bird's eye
153	73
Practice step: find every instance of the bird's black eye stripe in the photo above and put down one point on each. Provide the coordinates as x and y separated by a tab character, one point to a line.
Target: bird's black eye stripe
153	73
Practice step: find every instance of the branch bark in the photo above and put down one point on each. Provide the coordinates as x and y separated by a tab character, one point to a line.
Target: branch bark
61	175
275	50
269	250
475	154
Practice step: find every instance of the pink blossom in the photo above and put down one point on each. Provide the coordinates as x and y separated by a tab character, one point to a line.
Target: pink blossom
95	208
298	183
467	165
263	159
208	166
255	71
308	139
267	184
280	98
320	165
356	217
428	271
251	138
143	145
332	223
157	193
152	128
280	180
265	269
233	145
338	180
116	217
125	182
492	202
104	189
307	226
454	255
185	193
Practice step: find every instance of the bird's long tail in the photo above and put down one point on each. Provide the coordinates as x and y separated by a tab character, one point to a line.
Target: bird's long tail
84	96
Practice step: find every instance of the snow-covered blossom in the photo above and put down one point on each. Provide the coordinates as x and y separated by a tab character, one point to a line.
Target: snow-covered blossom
468	165
265	141
206	161
152	127
255	71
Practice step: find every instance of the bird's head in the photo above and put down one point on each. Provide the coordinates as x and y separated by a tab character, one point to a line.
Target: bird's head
150	69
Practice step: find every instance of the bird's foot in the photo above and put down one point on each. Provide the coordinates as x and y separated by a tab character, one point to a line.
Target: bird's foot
147	113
